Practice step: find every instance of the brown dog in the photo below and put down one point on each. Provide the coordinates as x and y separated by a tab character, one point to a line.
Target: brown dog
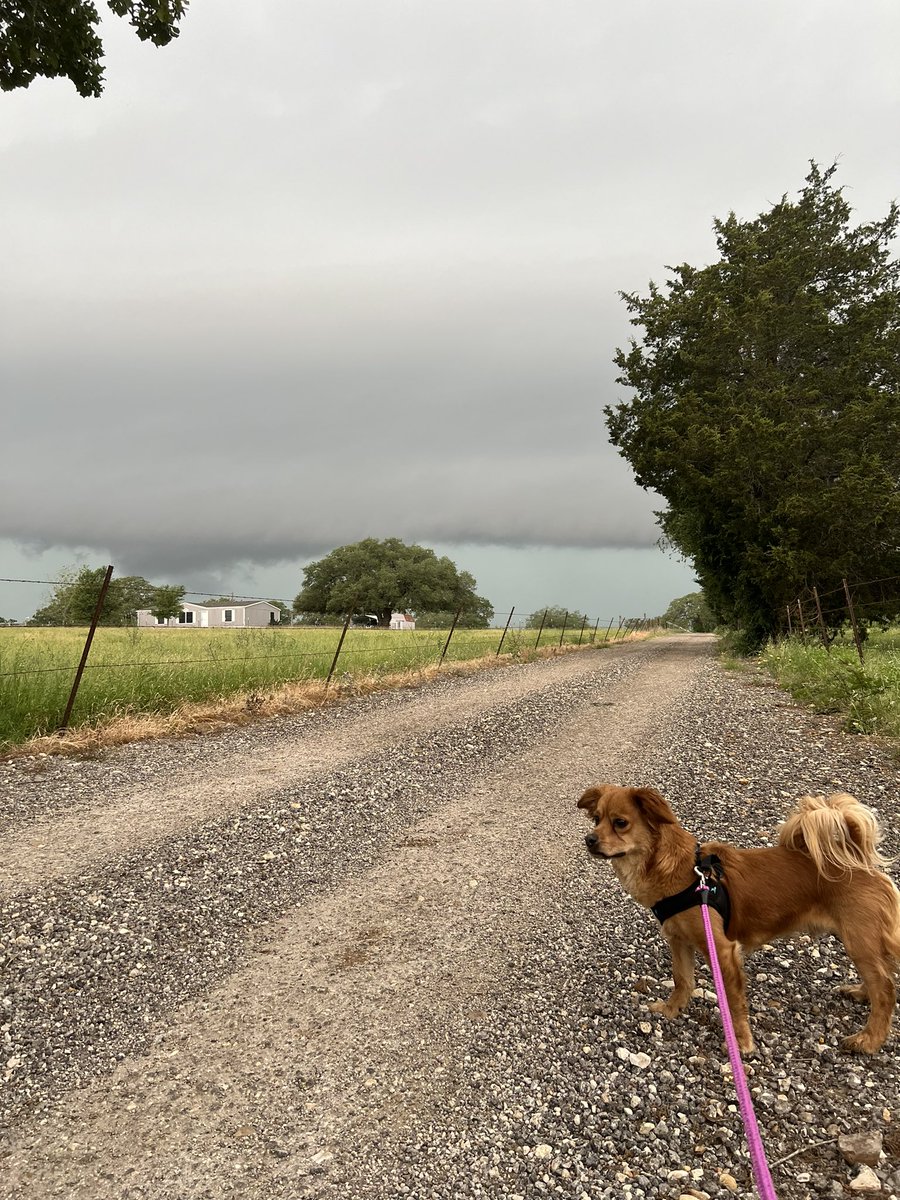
823	877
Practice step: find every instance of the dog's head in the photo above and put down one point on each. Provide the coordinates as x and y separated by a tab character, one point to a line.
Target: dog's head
626	820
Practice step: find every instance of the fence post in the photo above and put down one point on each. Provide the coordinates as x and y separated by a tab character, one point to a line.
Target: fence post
449	636
608	628
802	622
856	637
594	631
337	652
541	630
790	626
505	629
565	623
581	634
822	630
98	609
618	629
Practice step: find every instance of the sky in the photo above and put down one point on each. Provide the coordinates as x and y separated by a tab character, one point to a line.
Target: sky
323	270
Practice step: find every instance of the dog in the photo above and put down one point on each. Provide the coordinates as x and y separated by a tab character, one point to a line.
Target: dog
823	876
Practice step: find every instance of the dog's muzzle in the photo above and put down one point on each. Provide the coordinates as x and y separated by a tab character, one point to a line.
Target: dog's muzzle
590	840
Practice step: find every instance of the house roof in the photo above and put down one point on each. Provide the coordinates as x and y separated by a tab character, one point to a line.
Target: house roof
239	604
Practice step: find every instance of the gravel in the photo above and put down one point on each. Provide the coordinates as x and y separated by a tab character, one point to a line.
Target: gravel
402	976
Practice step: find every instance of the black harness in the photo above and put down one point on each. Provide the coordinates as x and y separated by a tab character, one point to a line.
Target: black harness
715	894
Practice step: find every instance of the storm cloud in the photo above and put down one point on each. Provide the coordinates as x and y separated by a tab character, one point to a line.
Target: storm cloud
318	271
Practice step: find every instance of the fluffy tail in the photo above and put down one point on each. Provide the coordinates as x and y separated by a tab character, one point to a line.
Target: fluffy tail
837	832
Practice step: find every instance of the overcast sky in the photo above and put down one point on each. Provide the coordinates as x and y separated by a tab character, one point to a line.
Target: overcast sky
320	271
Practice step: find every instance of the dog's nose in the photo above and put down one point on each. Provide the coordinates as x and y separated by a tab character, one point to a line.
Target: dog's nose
590	840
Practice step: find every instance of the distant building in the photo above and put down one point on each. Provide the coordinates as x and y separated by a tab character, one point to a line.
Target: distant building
402	621
240	614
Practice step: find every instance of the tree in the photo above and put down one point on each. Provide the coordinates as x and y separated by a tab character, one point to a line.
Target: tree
76	595
382	577
55	38
555	618
166	601
690	612
766	407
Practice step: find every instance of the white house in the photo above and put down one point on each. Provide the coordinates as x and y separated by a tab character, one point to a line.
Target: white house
239	614
402	621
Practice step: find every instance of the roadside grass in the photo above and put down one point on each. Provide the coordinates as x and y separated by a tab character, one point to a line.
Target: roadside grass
142	683
867	694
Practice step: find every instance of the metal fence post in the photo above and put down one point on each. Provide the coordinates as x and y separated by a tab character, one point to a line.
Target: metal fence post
505	628
856	636
541	630
337	652
790	626
565	623
822	630
449	636
95	619
594	631
581	634
802	622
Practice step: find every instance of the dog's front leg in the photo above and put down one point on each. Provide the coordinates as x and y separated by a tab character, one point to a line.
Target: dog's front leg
683	975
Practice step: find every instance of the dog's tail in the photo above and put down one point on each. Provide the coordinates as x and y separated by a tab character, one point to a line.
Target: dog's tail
838	833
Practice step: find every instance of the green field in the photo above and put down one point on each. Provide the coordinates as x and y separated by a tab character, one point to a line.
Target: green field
866	693
132	671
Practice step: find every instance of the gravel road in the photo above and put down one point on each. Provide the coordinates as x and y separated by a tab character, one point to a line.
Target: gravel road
362	953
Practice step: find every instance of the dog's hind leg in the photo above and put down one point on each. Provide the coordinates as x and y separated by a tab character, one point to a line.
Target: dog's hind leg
683	974
878	988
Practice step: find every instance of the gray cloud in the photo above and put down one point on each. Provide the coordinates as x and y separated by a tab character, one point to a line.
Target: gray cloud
320	272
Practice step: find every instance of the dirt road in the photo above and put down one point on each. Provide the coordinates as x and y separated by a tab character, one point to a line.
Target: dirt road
362	953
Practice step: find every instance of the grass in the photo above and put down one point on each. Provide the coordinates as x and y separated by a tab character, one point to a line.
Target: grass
143	682
867	694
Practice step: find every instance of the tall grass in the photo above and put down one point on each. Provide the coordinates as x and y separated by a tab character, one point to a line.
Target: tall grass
867	693
132	671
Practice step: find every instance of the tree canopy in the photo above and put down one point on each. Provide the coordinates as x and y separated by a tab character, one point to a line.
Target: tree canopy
75	597
51	38
766	406
387	576
555	616
690	612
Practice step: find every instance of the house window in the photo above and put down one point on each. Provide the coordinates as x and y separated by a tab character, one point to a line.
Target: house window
228	614
161	620
185	618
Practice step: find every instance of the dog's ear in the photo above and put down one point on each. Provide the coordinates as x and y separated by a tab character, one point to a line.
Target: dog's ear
654	808
591	796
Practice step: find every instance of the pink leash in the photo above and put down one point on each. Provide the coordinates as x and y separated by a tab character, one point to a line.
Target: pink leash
763	1179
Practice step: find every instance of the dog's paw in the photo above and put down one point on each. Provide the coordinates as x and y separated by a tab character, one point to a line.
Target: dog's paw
861	1043
665	1008
856	991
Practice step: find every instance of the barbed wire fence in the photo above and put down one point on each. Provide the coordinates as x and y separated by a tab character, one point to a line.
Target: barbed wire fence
826	615
517	629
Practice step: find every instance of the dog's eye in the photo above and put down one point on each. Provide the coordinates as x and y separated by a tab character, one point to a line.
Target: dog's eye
596	820
620	823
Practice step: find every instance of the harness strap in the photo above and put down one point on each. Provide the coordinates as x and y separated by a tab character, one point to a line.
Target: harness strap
716	897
